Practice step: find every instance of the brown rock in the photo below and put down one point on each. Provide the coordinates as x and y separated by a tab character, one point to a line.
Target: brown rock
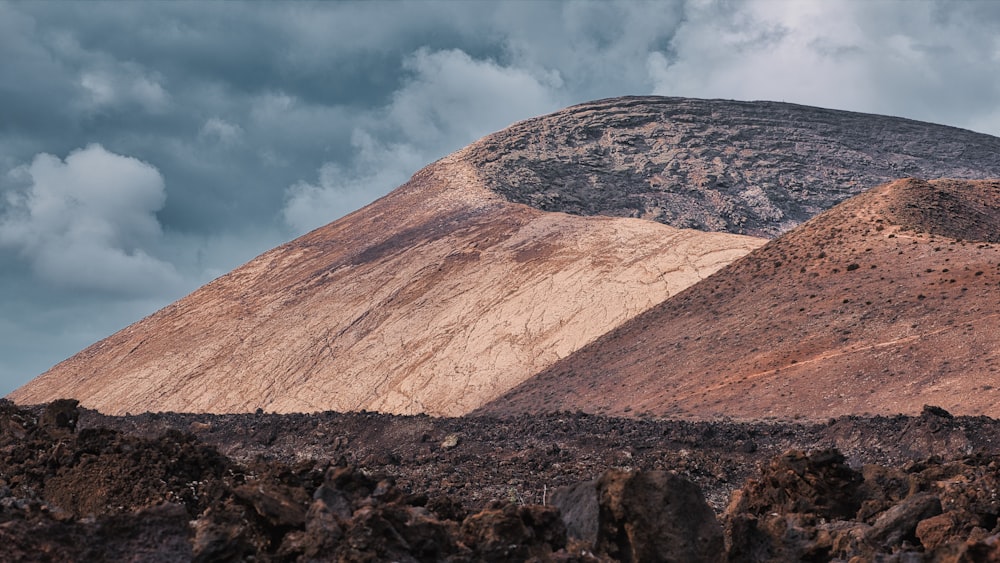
938	530
656	516
275	503
332	501
818	483
450	441
393	532
60	414
196	427
985	550
514	533
900	521
801	507
221	536
884	487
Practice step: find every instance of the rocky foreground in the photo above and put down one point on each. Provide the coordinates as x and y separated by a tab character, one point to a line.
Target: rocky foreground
79	486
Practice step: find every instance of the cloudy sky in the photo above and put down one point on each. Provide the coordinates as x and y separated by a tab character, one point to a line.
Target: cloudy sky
146	148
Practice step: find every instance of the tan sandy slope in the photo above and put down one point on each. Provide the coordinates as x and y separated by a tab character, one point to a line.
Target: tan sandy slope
881	305
436	299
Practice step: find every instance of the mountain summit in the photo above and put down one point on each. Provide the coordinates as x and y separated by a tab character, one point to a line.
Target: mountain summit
496	262
754	168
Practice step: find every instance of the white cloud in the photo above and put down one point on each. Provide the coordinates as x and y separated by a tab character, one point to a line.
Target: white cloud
99	87
89	222
454	97
598	48
924	62
789	51
221	131
376	169
122	83
450	100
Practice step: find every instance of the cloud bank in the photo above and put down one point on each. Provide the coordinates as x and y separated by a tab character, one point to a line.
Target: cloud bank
88	222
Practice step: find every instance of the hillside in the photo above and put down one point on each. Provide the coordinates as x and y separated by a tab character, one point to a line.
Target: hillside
881	305
495	262
435	299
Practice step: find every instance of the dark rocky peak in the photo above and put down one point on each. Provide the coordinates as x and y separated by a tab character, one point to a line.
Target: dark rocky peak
757	168
946	208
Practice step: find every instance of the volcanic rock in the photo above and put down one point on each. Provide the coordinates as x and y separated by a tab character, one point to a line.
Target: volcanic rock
757	168
885	303
908	528
641	516
61	414
901	521
100	495
819	483
514	533
35	532
579	508
156	494
800	508
657	517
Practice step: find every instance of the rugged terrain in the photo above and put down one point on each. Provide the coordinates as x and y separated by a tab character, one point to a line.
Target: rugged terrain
881	305
471	278
756	168
642	391
80	486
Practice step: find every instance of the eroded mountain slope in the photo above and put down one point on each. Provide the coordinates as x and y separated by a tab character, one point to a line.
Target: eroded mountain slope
436	299
886	303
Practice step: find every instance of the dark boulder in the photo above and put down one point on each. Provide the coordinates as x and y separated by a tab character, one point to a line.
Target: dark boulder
579	509
655	516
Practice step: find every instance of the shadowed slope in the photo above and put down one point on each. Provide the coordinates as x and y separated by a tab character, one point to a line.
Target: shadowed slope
435	299
885	303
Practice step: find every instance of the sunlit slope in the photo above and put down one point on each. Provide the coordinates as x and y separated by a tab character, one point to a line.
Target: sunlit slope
435	299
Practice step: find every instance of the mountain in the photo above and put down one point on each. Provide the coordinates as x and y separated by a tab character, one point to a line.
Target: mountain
495	262
881	305
435	299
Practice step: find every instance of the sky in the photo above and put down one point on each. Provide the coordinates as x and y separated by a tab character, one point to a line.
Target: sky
147	148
